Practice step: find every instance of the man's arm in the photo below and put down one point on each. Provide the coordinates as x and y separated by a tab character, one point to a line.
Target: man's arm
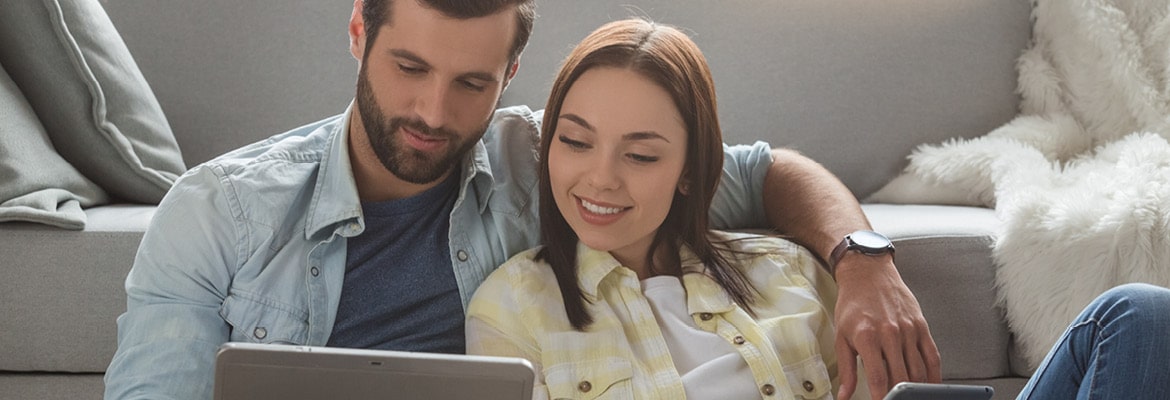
168	337
876	316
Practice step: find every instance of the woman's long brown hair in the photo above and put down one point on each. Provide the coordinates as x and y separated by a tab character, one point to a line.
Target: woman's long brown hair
669	58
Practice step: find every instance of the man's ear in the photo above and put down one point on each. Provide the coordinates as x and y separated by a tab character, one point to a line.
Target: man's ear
357	31
511	74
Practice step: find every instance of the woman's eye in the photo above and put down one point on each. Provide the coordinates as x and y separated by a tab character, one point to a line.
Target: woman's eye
576	145
642	158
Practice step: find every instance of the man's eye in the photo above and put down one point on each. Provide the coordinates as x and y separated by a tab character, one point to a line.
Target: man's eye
642	158
472	86
409	70
575	145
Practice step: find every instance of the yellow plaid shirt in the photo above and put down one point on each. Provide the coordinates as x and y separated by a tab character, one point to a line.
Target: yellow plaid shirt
788	345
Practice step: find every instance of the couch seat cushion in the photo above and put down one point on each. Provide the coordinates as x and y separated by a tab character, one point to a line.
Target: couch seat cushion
63	290
944	256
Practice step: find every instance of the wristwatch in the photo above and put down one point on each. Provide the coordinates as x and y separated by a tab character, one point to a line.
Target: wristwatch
869	243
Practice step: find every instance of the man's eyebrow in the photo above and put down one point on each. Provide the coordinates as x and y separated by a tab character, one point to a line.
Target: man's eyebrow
409	56
414	58
480	76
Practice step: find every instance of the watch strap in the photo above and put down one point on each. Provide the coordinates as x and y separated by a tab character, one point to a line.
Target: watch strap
837	253
847	244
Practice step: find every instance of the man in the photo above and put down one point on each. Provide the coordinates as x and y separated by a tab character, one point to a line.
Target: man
373	228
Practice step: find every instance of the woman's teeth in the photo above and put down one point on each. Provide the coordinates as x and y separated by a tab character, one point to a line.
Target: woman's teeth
596	209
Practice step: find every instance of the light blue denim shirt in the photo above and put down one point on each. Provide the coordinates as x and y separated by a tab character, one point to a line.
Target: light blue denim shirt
251	246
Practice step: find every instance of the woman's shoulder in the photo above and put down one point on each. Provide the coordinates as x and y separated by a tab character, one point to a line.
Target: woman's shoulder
754	244
515	288
522	270
757	254
524	261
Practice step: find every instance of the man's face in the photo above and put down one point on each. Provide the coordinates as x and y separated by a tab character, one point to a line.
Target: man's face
428	86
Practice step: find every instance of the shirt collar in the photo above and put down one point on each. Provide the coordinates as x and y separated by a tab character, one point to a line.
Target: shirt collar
335	196
704	295
336	185
594	265
477	174
500	139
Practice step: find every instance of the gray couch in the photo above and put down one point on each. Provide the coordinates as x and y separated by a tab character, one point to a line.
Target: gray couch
855	84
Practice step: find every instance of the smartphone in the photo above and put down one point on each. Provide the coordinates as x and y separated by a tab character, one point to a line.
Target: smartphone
939	391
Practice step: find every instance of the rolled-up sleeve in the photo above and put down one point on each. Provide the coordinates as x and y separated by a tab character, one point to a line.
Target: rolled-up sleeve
739	201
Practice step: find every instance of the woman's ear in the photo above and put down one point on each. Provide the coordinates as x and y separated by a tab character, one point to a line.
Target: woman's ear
684	186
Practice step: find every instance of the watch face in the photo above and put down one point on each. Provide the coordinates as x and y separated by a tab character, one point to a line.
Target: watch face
870	240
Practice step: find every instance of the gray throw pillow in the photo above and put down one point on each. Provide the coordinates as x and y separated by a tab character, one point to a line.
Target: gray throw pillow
36	184
76	72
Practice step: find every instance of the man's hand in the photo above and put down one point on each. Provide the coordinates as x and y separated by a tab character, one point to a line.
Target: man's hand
876	315
879	319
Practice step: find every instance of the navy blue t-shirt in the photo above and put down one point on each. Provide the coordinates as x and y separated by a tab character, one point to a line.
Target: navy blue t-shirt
399	291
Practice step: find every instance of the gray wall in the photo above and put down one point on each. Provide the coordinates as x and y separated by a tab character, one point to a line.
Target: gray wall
855	84
229	78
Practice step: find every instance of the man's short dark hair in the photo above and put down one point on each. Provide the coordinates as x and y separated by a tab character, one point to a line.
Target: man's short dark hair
376	13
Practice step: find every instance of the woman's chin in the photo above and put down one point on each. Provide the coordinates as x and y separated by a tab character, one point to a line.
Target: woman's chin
599	241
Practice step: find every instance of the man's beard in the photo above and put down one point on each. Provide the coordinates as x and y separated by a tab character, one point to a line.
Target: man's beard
408	164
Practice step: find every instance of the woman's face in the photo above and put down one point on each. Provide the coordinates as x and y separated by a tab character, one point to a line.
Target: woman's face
616	160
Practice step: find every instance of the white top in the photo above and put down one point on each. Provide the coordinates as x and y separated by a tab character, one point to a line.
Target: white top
709	367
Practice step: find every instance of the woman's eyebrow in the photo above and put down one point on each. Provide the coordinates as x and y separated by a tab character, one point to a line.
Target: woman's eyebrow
639	135
644	135
579	121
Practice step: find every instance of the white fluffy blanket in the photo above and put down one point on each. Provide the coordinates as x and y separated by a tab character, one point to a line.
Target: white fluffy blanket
1081	178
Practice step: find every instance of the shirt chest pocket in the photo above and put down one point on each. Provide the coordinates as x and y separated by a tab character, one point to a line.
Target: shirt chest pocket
605	378
256	321
809	379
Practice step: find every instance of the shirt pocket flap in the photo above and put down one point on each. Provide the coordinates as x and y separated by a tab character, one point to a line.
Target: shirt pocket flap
809	379
593	379
256	321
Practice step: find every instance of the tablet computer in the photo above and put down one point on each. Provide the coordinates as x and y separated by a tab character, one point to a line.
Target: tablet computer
286	372
939	391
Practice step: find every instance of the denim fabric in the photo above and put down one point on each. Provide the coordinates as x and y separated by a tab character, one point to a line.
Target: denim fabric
1116	349
251	246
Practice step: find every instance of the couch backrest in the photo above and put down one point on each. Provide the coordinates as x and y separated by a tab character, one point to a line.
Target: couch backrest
855	84
230	72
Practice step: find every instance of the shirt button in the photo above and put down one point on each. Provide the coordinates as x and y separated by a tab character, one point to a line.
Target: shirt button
768	389
738	340
353	226
462	255
809	386
584	386
706	316
260	332
314	271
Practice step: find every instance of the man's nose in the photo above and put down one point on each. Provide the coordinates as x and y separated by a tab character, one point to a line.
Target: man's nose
433	105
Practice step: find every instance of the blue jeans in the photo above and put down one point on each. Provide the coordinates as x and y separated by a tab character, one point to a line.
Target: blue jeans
1117	348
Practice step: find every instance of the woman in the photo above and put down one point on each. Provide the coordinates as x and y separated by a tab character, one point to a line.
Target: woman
632	296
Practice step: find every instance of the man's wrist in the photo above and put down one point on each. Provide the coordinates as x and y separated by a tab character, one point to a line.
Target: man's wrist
866	242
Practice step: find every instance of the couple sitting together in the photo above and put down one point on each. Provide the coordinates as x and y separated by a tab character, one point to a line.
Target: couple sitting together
383	227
